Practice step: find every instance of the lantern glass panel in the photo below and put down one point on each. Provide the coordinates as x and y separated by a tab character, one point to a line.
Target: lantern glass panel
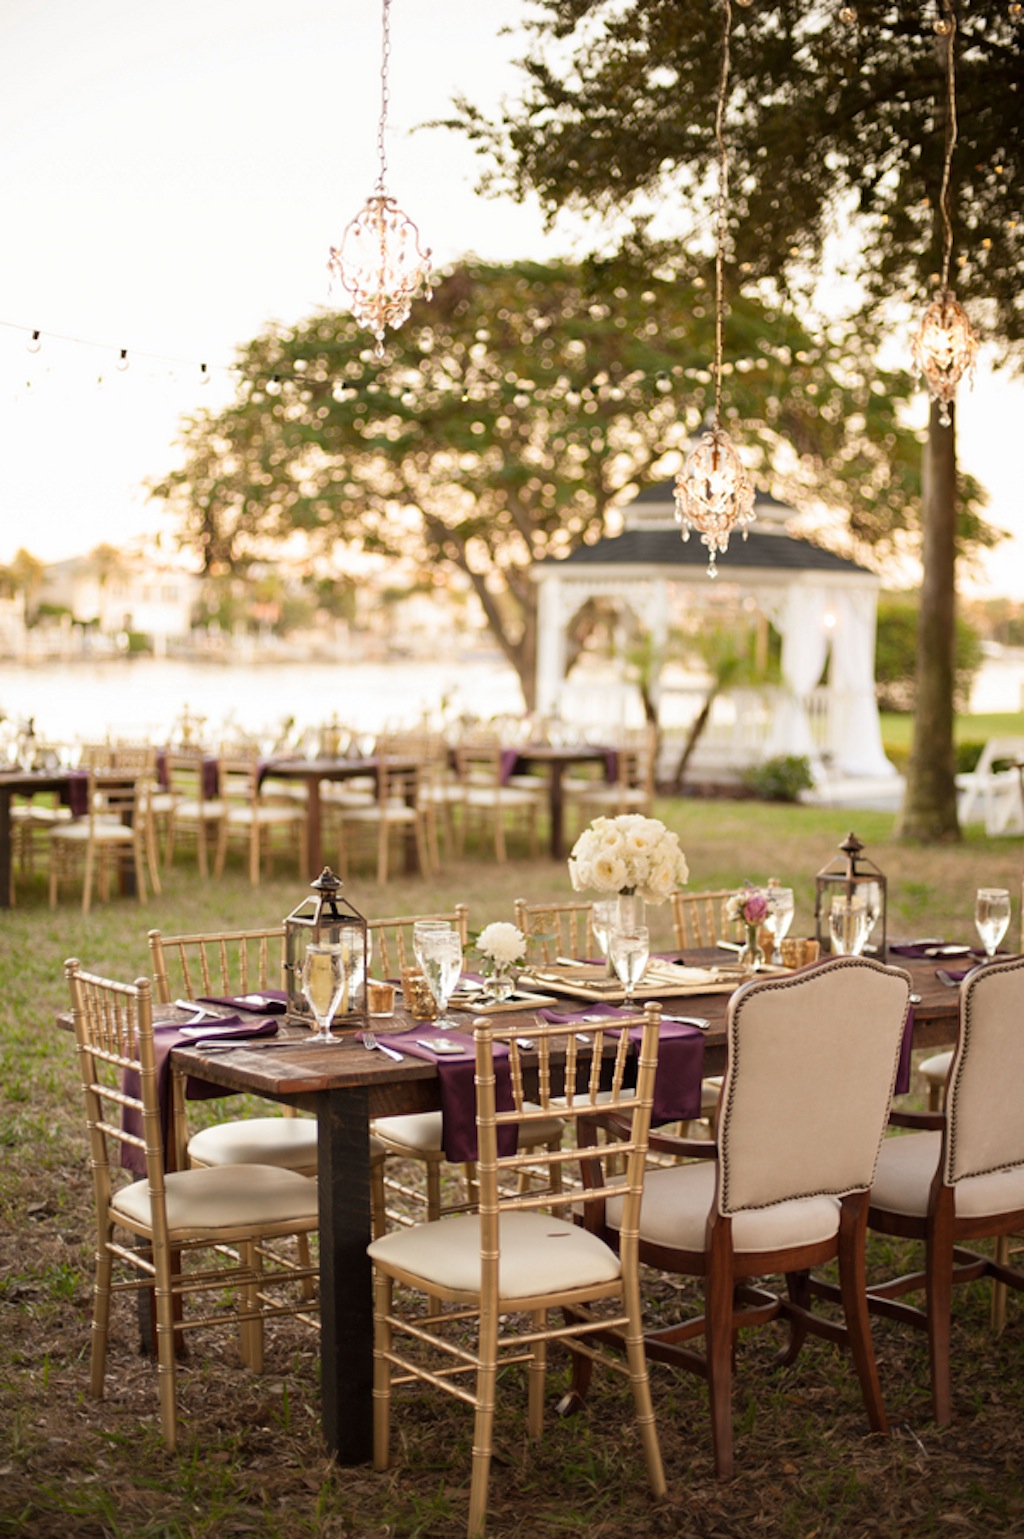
853	875
326	918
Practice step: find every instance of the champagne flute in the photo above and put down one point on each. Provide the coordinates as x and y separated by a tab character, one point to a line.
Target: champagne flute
441	960
992	917
325	985
849	924
629	951
779	919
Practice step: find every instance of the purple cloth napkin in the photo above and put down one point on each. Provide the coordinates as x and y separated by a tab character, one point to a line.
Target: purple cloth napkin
165	1038
677	1082
903	1071
927	950
457	1077
272	1001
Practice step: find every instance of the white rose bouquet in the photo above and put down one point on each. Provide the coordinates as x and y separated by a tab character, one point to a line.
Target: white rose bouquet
628	854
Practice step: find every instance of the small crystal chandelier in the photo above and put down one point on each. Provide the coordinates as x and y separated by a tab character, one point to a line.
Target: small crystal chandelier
945	344
380	262
713	494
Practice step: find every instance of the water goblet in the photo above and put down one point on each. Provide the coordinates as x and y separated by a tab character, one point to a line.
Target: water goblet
629	951
421	929
778	919
992	917
441	960
325	982
849	924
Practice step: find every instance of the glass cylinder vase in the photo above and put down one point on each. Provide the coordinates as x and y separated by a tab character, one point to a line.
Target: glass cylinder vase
501	983
631	912
751	953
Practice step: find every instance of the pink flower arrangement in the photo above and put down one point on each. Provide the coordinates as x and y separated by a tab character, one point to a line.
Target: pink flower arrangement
750	905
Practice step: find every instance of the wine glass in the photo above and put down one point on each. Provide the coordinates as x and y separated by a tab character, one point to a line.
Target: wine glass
602	919
849	923
440	956
628	951
325	982
992	917
778	919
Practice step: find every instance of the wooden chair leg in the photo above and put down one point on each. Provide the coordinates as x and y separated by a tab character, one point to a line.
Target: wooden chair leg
483	1427
997	1317
718	1311
382	1335
939	1285
853	1288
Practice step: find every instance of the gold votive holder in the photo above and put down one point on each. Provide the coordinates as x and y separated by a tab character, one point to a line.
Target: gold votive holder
380	998
419	1001
798	952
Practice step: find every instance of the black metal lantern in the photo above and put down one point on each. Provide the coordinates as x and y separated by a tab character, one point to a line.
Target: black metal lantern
856	877
327	919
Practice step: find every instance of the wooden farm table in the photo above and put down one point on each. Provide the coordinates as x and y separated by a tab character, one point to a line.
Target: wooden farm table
311	772
346	1086
557	758
21	783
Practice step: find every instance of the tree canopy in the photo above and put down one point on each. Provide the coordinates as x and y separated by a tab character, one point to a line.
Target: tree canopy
828	126
833	131
510	418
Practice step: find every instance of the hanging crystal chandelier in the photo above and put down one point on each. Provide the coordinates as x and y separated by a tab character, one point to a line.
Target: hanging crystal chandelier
713	494
945	344
380	262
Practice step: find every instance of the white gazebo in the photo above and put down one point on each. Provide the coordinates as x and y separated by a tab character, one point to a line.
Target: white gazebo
822	605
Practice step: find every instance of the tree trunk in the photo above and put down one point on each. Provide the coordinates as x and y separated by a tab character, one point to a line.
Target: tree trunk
929	804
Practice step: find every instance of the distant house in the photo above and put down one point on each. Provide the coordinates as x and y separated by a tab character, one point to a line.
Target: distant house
136	595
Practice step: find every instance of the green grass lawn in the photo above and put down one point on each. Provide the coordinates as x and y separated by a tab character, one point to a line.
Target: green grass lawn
252	1461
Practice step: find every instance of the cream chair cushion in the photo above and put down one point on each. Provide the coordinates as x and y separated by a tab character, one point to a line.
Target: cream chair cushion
224	1201
421	1131
906	1168
539	1254
678	1201
287	1142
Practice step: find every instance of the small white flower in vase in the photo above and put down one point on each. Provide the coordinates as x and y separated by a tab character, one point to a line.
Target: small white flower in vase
503	945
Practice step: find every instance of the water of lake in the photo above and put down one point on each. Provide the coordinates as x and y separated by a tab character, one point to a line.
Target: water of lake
145	696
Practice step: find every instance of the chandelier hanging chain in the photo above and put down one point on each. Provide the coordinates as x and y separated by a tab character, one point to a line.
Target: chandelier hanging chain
385	95
946	194
723	188
945	345
380	262
713	493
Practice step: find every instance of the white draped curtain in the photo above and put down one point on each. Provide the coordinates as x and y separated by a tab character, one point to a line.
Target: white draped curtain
799	615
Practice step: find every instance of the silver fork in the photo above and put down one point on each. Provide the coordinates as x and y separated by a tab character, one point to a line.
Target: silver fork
370	1041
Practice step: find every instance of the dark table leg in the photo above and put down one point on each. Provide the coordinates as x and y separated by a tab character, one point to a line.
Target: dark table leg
556	807
346	1293
314	839
5	848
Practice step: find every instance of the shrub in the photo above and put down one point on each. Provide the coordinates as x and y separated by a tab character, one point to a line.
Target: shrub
780	779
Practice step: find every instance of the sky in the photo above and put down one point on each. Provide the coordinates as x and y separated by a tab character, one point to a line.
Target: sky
172	178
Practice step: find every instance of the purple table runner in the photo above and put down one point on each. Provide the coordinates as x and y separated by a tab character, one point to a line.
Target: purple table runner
677	1082
166	1037
457	1077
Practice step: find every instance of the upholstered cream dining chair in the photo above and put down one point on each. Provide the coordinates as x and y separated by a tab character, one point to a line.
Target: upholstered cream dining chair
812	1060
960	1176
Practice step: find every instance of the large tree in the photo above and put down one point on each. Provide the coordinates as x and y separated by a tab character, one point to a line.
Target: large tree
509	416
830	127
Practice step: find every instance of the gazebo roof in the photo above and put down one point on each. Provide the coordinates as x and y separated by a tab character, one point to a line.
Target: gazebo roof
665	547
651	537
